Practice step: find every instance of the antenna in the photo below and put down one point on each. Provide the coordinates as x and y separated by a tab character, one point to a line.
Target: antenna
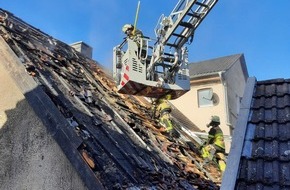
136	17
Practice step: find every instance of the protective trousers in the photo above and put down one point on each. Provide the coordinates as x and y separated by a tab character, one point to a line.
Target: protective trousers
165	121
209	151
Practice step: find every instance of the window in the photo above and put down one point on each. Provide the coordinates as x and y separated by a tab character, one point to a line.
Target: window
205	97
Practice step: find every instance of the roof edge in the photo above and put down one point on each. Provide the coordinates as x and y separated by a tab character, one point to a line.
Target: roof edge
230	175
237	57
217	58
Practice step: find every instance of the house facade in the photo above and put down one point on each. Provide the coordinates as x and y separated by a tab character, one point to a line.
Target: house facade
217	87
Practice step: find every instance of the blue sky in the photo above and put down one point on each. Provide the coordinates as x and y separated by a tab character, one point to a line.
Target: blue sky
258	29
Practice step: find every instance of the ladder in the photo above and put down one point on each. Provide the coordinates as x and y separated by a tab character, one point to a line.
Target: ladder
185	18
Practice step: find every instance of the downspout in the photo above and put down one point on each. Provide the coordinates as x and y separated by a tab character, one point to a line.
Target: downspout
224	83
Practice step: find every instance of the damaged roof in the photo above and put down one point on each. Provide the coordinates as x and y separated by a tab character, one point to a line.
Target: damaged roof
260	154
110	138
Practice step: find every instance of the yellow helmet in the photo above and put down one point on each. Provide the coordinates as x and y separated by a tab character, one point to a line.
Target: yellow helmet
127	27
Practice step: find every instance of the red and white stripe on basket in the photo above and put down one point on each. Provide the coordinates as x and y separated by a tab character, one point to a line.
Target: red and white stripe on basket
125	78
129	86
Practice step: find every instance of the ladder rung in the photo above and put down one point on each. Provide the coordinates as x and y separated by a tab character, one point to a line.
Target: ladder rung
197	15
169	54
201	4
168	59
185	24
172	45
178	35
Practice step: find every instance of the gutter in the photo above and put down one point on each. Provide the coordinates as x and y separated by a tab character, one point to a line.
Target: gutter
223	82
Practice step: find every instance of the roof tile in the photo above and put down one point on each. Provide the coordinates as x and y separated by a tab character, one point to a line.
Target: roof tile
243	168
285	173
270	148
268	173
260	131
284	132
271	131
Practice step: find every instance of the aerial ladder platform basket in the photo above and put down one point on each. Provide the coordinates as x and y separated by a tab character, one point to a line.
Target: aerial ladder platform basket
156	70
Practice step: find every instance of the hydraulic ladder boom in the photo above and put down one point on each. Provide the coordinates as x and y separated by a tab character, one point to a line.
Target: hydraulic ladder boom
184	19
162	68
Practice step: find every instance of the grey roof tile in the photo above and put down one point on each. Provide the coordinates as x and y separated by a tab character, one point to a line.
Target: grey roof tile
272	101
242	185
284	132
271	131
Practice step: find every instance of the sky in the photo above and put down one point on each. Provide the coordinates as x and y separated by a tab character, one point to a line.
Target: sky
258	29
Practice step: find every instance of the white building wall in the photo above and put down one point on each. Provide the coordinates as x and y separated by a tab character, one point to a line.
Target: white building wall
200	116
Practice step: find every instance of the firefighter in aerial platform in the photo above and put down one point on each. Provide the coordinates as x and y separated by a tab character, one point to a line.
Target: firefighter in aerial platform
131	31
163	110
215	145
137	36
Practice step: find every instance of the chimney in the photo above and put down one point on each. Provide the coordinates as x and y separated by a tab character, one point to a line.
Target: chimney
83	48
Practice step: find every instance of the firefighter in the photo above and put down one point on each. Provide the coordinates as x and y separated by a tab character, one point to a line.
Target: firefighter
128	29
137	36
215	146
163	111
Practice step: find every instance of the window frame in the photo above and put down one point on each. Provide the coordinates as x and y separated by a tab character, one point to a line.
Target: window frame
207	99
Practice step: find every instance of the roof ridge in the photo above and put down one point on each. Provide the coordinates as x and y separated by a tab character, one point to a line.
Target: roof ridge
218	58
213	65
275	80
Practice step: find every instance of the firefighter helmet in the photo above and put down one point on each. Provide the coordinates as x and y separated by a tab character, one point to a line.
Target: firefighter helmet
215	119
127	27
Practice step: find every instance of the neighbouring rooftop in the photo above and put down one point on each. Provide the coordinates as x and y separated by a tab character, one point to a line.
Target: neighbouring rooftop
260	156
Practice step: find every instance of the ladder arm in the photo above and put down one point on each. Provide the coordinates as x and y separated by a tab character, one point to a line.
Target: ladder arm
183	21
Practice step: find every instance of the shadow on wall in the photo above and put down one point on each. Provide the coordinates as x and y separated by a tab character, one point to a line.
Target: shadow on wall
29	157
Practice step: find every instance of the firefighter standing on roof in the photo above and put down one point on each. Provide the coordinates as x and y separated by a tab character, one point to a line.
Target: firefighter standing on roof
215	145
163	110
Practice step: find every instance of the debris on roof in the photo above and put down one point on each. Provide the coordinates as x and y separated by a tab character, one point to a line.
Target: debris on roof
119	141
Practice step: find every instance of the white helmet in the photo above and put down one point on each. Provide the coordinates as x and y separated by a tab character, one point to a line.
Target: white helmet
127	27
